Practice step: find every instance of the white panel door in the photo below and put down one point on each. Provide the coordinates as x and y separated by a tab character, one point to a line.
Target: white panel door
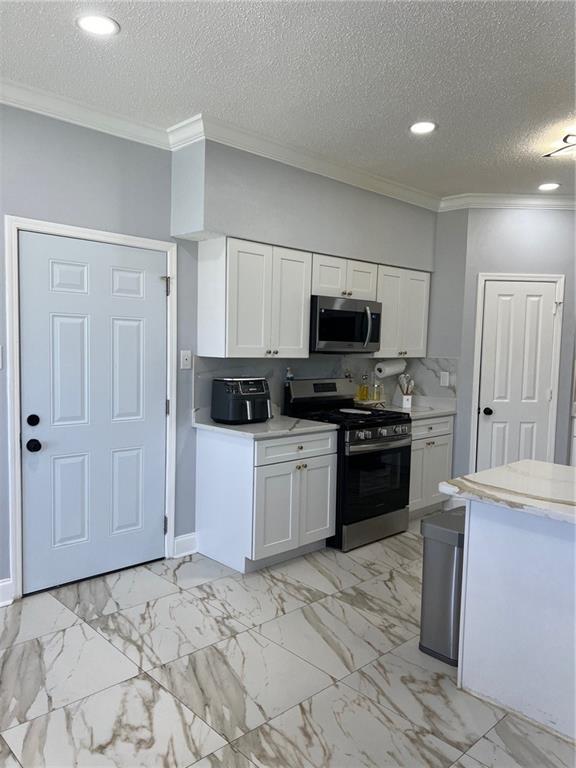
361	280
276	508
516	372
414	328
328	276
291	283
318	499
417	489
93	389
437	467
249	305
389	293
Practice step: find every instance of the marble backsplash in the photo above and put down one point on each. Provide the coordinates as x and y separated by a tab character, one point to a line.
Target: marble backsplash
425	372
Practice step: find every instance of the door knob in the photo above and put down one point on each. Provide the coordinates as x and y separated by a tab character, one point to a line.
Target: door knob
33	420
488	411
34	446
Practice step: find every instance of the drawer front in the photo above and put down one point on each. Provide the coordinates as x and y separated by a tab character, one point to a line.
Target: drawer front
432	427
292	448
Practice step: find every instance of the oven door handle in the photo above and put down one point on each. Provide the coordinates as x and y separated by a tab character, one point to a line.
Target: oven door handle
369	331
381	445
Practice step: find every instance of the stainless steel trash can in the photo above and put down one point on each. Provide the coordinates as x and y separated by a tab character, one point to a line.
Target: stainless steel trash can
442	584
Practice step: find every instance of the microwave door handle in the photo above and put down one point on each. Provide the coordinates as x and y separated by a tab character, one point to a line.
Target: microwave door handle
369	331
248	410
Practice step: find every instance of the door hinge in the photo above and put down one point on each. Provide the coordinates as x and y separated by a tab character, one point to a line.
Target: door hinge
167	407
166	278
550	394
165	525
557	305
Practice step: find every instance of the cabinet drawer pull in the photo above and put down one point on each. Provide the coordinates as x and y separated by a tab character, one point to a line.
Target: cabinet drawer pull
268	351
300	447
344	293
304	466
275	352
349	293
298	466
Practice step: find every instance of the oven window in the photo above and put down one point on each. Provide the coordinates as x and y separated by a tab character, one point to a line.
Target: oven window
374	483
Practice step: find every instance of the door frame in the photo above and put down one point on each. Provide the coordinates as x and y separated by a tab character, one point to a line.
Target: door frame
11	588
483	278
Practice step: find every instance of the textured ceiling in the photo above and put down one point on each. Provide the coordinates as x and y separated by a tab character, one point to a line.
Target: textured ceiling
343	79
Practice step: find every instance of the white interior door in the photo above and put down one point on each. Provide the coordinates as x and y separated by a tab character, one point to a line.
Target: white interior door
93	395
291	284
249	303
517	376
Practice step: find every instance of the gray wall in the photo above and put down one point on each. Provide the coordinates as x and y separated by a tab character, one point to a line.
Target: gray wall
260	199
59	172
516	241
447	285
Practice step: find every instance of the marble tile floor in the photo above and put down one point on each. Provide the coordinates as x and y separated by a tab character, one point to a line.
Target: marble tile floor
309	664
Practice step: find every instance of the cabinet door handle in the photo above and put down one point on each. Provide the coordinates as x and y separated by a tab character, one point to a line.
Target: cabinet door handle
300	447
349	293
304	466
298	466
268	351
275	352
344	293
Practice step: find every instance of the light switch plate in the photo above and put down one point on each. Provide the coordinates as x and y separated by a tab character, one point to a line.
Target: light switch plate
185	359
444	378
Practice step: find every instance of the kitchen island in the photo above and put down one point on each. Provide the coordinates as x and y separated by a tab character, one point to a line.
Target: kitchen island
517	630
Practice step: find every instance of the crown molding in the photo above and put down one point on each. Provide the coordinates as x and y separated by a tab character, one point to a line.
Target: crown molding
61	108
549	202
200	127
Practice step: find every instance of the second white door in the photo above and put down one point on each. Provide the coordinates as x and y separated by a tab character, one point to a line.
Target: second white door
517	377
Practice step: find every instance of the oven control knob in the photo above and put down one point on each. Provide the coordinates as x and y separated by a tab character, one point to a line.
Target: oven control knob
398	430
361	435
383	432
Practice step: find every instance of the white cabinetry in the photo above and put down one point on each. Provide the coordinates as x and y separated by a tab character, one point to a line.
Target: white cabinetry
404	294
253	300
431	461
333	276
294	504
279	494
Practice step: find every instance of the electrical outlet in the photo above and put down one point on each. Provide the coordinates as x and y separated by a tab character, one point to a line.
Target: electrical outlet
185	359
444	378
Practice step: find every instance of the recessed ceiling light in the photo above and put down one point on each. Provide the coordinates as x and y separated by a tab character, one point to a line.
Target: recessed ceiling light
549	186
103	26
423	127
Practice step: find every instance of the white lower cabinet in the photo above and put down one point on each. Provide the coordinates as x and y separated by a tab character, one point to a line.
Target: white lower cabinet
259	498
294	504
431	463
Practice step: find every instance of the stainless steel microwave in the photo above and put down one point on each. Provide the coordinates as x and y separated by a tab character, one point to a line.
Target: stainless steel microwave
344	325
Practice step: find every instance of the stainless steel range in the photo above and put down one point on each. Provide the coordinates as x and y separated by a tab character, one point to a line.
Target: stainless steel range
374	448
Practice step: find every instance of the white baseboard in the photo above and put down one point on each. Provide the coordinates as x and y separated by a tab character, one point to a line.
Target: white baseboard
6	592
185	545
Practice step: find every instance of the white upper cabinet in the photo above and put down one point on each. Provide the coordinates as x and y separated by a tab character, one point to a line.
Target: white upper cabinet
361	280
332	276
328	276
249	303
404	294
253	300
291	276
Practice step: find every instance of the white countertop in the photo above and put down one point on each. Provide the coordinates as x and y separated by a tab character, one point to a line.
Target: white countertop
423	411
537	487
278	426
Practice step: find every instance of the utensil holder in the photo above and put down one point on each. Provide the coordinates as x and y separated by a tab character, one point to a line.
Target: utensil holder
407	402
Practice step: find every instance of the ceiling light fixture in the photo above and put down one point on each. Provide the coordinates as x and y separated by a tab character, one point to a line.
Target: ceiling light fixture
549	186
569	146
424	127
102	26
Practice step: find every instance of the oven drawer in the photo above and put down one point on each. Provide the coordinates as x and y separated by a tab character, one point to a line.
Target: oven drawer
432	427
297	447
